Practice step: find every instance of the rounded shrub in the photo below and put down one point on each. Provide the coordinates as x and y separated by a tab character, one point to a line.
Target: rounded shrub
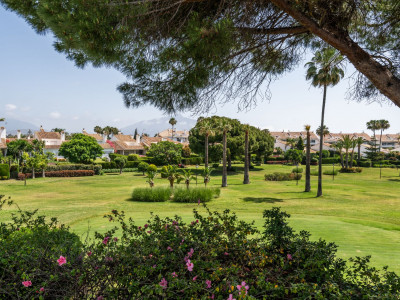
297	170
133	157
142	167
152	168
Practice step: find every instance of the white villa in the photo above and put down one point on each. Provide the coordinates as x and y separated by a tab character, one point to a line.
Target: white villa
181	136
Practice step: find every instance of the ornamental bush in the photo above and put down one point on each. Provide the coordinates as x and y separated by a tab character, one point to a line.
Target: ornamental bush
279	176
297	170
195	195
66	173
142	167
133	157
117	170
4	172
157	194
213	256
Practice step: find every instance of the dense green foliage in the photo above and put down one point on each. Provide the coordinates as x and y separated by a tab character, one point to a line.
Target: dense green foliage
195	195
157	194
81	149
4	171
165	153
215	255
279	176
261	143
142	167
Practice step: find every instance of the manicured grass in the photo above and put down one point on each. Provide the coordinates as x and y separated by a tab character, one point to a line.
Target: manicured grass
359	212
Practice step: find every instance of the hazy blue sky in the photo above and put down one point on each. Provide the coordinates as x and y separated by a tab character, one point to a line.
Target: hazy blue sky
41	86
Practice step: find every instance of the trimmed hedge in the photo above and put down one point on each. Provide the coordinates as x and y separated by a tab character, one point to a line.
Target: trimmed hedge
72	167
117	170
350	170
65	173
365	164
157	194
195	195
4	172
279	176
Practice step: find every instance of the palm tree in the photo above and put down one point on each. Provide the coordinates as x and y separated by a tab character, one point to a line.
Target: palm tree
347	143
324	132
382	125
206	129
172	174
291	142
98	129
359	142
187	176
151	175
246	179
324	70
373	125
353	145
224	126
173	122
206	175
339	147
308	159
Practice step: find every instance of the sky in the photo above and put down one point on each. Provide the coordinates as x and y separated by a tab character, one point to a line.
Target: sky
39	85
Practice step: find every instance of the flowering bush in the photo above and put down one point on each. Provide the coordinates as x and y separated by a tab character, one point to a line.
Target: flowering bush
214	256
65	173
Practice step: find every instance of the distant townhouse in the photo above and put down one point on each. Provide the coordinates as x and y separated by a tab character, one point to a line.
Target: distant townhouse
181	136
281	137
389	141
102	141
128	144
331	138
52	140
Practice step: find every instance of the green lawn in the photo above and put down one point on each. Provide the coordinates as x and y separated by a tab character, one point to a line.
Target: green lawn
359	212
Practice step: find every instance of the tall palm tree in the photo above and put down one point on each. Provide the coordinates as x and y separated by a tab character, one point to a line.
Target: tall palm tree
173	122
373	125
382	125
98	129
359	142
347	143
246	179
339	147
224	127
308	159
206	129
324	132
353	145
324	70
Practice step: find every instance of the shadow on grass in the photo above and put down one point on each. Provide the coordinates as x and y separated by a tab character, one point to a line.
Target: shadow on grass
112	174
395	180
262	199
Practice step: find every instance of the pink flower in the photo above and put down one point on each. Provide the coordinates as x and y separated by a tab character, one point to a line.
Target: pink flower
208	284
169	249
174	223
198	202
189	265
289	257
140	227
174	275
231	297
182	241
105	241
42	289
100	298
243	285
108	258
26	283
145	225
154	266
150	255
226	253
163	283
194	278
62	260
149	231
115	239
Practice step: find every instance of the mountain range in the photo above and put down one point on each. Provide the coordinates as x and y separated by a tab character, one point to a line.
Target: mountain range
12	125
151	127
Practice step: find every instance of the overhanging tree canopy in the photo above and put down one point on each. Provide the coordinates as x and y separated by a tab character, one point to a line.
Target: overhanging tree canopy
181	54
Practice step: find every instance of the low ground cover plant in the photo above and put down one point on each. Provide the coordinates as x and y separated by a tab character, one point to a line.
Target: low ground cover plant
157	194
213	256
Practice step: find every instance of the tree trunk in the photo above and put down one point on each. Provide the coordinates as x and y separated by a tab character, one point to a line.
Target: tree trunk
33	173
347	158
308	161
380	141
224	170
380	76
120	171
352	157
341	159
246	179
359	155
321	143
206	152
43	173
